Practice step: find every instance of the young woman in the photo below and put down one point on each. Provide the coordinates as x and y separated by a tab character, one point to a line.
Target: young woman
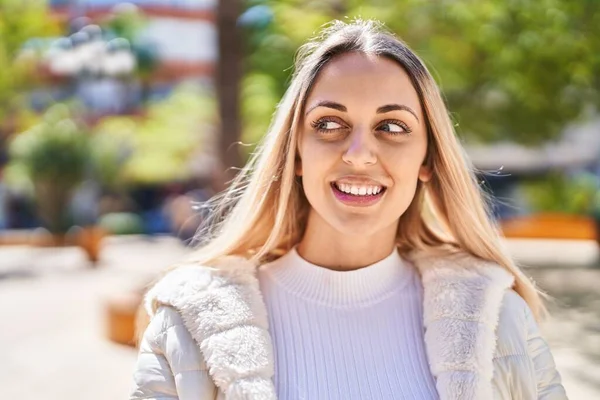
354	259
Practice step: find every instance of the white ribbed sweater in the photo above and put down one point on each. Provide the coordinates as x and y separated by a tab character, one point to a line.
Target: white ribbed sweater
347	335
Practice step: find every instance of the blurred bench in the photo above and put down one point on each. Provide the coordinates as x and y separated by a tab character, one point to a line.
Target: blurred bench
551	226
89	239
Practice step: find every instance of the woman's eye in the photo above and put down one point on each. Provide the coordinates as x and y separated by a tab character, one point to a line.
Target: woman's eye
324	126
394	127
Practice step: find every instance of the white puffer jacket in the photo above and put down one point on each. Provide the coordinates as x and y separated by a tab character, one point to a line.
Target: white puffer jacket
208	337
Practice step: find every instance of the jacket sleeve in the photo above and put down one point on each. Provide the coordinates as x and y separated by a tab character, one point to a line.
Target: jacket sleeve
170	365
549	385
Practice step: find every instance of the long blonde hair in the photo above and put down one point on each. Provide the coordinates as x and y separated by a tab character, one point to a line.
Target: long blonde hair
264	211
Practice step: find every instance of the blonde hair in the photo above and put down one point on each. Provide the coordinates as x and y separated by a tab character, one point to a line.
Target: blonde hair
263	214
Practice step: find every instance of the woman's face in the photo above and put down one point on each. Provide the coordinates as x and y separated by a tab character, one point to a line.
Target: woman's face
362	145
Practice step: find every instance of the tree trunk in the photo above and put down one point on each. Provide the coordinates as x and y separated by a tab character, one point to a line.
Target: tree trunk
52	198
228	77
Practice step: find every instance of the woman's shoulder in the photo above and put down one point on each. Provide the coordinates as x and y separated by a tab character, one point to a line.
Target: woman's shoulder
164	319
515	324
514	306
175	285
183	283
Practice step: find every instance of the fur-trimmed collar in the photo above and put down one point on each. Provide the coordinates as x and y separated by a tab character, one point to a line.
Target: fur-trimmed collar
223	309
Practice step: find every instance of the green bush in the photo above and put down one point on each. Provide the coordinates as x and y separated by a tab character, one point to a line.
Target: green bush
558	192
122	223
53	157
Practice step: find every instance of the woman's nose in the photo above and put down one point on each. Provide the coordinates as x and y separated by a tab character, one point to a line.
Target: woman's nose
360	149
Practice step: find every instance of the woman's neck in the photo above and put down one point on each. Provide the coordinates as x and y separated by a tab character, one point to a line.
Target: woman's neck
324	246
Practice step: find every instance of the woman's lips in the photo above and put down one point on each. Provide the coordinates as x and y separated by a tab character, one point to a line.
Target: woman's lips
356	200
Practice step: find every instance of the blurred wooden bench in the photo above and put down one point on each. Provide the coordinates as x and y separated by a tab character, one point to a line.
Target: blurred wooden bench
88	238
550	226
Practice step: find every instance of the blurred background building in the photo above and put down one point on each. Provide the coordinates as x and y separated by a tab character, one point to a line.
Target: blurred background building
119	119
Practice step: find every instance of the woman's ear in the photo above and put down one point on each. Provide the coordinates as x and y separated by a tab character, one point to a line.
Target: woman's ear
425	173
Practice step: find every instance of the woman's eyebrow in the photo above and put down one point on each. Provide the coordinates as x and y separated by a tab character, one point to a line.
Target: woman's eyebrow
381	110
396	107
328	104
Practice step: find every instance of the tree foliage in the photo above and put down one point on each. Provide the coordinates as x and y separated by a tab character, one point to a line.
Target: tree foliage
53	157
559	192
20	22
159	147
509	69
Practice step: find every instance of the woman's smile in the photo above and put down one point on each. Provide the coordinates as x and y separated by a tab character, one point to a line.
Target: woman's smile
358	191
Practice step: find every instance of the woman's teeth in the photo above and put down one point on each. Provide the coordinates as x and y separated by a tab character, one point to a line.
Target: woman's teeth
359	190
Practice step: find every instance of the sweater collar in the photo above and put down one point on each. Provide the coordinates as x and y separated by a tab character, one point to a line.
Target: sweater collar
359	287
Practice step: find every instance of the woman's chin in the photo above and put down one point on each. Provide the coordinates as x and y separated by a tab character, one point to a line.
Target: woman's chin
359	225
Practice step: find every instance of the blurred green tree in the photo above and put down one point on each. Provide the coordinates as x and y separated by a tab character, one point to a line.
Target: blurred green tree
158	148
52	159
20	21
509	69
559	192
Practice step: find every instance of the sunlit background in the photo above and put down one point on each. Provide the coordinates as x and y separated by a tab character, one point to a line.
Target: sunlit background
118	119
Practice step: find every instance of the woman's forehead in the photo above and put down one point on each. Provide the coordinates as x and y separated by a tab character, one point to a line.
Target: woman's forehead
363	81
